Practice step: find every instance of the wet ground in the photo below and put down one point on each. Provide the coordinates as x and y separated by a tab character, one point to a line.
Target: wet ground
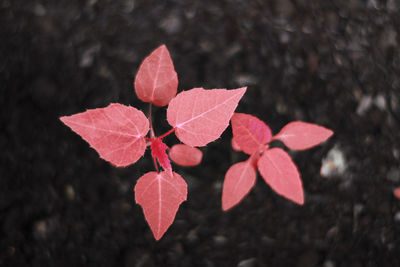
334	63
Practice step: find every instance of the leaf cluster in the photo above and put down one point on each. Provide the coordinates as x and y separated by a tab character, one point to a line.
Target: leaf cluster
120	134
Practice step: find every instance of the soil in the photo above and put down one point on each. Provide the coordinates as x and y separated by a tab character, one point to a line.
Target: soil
334	63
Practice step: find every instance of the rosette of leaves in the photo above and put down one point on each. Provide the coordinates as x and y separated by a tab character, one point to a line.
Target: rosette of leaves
120	134
252	136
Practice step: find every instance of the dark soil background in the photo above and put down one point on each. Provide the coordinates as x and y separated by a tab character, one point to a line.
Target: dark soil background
335	63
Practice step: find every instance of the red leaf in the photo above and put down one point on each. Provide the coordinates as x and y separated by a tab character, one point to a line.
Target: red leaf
156	81
158	151
116	132
160	195
302	135
280	172
185	155
250	133
200	116
239	180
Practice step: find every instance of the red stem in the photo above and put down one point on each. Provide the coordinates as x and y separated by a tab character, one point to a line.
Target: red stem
155	164
167	133
152	135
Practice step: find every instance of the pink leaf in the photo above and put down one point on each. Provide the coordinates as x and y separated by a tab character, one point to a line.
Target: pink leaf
250	133
116	132
239	180
280	172
158	151
185	155
200	116
156	81
302	135
160	195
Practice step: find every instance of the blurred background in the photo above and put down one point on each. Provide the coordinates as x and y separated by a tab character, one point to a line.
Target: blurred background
334	63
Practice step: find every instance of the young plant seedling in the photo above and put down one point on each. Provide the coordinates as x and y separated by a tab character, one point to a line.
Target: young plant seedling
252	136
120	134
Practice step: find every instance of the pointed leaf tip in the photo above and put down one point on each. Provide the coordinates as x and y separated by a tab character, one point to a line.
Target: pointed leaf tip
249	132
116	132
239	180
160	196
200	116
156	81
300	135
281	174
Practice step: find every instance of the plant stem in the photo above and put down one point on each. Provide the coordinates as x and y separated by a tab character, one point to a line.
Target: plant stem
155	164
167	133
152	135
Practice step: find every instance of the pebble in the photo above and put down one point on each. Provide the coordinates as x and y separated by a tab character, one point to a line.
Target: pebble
328	263
39	10
367	101
233	50
141	261
373	4
129	5
190	13
334	163
217	186
393	175
284	37
251	262
396	153
397	217
69	192
245	79
87	56
192	236
220	239
171	24
380	102
357	209
333	232
42	228
364	105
